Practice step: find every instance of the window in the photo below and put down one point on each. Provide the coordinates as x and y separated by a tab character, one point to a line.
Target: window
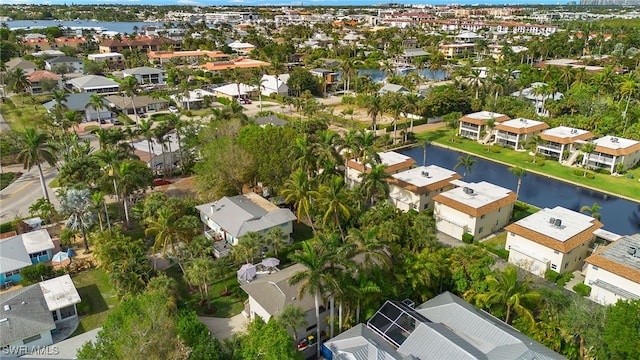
554	266
480	230
12	273
32	339
426	206
594	267
556	252
55	315
482	217
566	265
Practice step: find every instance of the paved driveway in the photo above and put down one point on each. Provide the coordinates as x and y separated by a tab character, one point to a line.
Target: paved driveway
223	328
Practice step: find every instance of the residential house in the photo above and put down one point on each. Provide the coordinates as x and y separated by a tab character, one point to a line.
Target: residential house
393	88
272	120
19	63
328	78
270	294
452	50
164	155
72	42
238	63
613	272
65	64
147	75
143	104
496	51
229	218
241	47
274	84
234	91
467	37
195	100
560	142
571	63
94	84
517	133
113	60
47	53
393	162
474	126
78	102
478	209
20	251
538	100
612	151
409	55
415	188
143	44
445	327
39	77
29	316
555	239
192	57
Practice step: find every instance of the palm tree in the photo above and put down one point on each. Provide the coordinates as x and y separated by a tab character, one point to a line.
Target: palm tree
465	162
77	203
592	210
248	246
475	80
507	289
129	85
317	276
36	149
130	176
276	238
395	103
170	229
333	199
145	128
18	82
292	317
297	191
95	102
628	88
98	201
533	145
587	148
374	108
519	173
201	272
374	185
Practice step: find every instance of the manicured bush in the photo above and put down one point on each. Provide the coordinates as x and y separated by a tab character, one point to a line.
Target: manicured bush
564	279
551	275
590	175
467	238
521	206
540	161
8	226
582	289
578	172
495	149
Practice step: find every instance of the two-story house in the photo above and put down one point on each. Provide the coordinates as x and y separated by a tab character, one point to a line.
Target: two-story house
94	84
474	125
147	75
66	64
561	142
113	60
38	80
393	162
611	151
516	133
415	188
558	239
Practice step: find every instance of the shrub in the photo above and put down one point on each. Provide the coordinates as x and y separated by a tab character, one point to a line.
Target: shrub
578	172
564	279
582	289
495	149
591	175
224	101
551	275
467	238
521	206
35	273
8	226
540	161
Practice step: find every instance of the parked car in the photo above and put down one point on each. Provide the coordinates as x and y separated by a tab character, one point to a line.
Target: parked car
247	101
241	101
174	109
160	182
115	121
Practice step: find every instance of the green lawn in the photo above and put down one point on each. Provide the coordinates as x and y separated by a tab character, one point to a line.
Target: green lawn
620	185
21	116
7	178
498	241
98	297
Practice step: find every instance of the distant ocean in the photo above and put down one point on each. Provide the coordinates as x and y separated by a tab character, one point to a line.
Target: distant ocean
284	3
121	27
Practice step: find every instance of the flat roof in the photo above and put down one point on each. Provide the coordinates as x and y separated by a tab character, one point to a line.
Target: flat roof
59	292
521	123
565	134
390	158
484	193
484	115
425	175
572	223
616	145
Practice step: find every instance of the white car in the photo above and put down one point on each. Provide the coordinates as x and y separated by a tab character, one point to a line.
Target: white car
174	109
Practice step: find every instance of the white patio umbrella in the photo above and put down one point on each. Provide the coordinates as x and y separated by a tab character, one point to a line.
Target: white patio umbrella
270	262
247	272
60	257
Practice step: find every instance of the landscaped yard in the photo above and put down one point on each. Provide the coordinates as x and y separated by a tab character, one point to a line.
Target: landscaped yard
98	297
21	116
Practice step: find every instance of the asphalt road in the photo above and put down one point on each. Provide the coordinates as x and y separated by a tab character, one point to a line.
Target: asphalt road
16	198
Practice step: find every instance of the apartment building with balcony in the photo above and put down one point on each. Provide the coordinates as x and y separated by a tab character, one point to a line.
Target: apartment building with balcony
611	151
562	140
516	133
473	125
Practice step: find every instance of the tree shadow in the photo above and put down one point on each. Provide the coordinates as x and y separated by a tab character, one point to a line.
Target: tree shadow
92	300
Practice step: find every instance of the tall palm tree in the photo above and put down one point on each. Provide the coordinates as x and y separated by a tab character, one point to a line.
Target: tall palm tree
519	173
292	317
18	82
333	198
36	149
95	102
465	162
145	128
588	148
129	85
508	290
130	176
592	210
98	201
248	246
170	228
317	277
475	80
201	272
297	191
374	185
374	107
628	88
276	238
394	102
78	204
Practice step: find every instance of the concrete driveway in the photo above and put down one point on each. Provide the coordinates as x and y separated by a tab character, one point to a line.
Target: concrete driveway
223	328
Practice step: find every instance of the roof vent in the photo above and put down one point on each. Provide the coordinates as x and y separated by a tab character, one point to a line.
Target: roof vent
468	190
4	320
409	303
614	139
558	223
24	303
425	174
552	221
7	307
632	251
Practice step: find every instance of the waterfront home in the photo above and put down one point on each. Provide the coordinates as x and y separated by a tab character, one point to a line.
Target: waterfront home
20	251
393	88
393	162
562	141
142	44
474	126
192	57
67	64
229	218
612	151
452	50
113	60
613	272
517	133
147	75
445	327
29	316
478	209
415	188
39	77
538	100
555	239
330	77
94	84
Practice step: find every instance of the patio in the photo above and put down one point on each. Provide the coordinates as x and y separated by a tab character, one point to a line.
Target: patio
251	272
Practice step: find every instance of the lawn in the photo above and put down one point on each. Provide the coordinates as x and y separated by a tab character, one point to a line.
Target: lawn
7	178
98	297
20	116
497	242
620	185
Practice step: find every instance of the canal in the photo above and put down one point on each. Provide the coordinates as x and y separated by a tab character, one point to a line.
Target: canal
618	215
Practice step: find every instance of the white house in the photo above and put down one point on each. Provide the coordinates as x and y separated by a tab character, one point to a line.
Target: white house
70	64
614	271
473	125
147	75
195	100
556	239
561	139
113	60
274	84
415	188
478	209
234	91
394	162
95	84
538	100
516	133
229	218
611	151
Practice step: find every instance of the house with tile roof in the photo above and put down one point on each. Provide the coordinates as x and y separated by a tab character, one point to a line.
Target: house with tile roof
611	151
190	57
613	272
238	63
68	63
560	140
94	84
474	125
228	219
143	44
20	251
445	327
37	79
393	162
558	239
516	133
414	189
478	209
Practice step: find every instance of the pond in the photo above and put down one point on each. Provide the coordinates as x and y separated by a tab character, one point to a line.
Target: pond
618	215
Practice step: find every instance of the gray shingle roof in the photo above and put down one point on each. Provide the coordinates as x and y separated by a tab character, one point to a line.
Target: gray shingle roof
142	70
74	102
28	316
63	60
92	81
19	63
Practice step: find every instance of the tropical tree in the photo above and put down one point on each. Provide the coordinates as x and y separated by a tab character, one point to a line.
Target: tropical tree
18	82
588	148
519	173
465	162
78	204
292	317
128	177
592	210
476	81
36	149
145	128
334	201
201	272
374	186
297	191
248	246
374	107
276	238
170	227
505	288
96	103
129	86
395	103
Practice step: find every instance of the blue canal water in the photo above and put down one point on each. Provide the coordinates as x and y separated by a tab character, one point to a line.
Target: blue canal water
618	215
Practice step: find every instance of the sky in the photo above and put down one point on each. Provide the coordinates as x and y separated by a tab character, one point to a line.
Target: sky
280	2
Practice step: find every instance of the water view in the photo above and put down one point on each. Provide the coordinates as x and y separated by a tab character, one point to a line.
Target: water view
121	27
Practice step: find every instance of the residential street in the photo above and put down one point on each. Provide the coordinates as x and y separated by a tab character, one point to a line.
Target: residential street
16	198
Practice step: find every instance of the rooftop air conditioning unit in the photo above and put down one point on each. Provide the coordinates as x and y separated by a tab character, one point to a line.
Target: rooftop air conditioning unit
632	251
558	223
409	303
425	174
552	221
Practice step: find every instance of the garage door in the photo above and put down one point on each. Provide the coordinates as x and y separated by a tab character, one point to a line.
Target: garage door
450	228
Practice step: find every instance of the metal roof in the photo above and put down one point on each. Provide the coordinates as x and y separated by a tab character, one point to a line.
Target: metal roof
13	254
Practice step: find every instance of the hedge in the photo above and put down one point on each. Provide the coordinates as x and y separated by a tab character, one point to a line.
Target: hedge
582	289
467	238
